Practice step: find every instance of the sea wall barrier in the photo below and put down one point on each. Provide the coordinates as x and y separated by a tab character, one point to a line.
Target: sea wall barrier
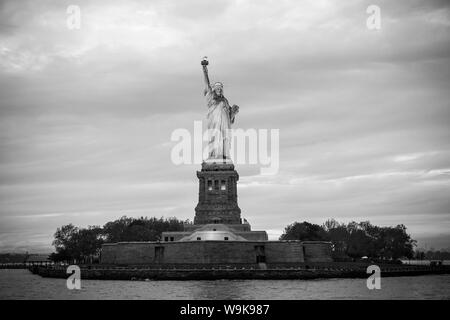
25	265
235	272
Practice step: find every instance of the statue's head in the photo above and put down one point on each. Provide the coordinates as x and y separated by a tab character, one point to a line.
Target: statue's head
218	89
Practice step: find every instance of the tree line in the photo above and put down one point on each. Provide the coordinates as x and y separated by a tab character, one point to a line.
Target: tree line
356	240
422	254
349	241
82	245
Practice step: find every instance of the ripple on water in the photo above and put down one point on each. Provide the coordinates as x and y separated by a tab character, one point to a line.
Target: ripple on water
21	284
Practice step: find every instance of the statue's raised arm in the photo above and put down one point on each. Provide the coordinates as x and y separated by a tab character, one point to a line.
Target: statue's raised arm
205	74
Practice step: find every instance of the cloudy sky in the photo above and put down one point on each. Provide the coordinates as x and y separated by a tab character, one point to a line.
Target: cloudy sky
86	115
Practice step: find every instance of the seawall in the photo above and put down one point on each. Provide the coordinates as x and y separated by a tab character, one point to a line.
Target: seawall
170	272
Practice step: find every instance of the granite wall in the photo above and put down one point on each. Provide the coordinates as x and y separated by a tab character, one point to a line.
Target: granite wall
214	252
317	251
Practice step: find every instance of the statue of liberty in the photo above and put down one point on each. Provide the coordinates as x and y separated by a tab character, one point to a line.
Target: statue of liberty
220	117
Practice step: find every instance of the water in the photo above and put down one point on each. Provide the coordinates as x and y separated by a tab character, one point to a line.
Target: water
22	284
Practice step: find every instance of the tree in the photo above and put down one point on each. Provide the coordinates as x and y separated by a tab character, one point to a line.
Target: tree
330	224
304	231
356	240
140	229
396	243
114	231
65	243
88	242
72	243
83	244
359	244
339	237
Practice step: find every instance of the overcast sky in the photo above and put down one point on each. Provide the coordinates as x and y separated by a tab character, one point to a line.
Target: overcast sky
86	115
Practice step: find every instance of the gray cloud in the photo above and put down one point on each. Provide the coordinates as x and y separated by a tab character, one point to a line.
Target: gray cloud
86	115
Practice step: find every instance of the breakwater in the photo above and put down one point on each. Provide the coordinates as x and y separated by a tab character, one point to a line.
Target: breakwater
182	272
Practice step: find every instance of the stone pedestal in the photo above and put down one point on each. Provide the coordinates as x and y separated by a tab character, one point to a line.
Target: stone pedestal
217	195
217	214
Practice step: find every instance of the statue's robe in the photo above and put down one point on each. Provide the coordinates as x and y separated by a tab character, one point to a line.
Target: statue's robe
220	117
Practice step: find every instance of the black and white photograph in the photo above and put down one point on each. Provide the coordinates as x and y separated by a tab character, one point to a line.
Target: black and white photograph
241	151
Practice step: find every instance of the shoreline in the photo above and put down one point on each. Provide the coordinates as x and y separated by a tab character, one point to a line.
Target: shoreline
302	272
